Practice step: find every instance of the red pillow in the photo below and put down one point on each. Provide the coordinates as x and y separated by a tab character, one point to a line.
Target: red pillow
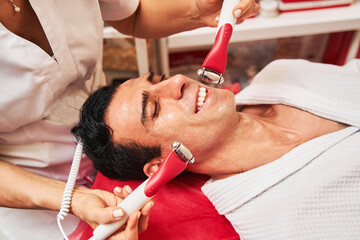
181	211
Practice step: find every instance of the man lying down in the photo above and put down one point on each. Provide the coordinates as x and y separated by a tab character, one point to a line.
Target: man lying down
283	154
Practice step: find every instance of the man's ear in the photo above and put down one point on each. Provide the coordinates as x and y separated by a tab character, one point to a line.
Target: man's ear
151	167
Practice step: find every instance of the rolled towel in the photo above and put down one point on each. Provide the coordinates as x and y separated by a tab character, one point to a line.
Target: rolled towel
328	91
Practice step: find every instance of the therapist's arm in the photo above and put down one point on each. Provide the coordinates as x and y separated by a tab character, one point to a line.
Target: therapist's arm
22	189
160	18
26	190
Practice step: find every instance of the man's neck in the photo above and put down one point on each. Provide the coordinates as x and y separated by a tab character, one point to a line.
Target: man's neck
267	132
259	138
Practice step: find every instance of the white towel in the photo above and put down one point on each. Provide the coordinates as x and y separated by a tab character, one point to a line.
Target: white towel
328	91
313	191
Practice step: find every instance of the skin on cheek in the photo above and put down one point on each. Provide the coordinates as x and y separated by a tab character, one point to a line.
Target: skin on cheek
169	128
186	132
169	117
162	123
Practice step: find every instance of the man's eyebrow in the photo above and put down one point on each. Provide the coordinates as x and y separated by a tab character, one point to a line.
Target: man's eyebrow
150	77
145	96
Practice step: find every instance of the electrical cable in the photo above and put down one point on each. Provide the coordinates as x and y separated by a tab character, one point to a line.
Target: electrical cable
69	187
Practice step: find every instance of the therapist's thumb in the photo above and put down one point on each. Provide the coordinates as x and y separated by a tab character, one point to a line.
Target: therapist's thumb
107	215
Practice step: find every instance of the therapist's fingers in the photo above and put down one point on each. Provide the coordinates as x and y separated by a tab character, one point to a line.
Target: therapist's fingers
130	232
101	215
122	192
252	11
144	218
245	9
239	21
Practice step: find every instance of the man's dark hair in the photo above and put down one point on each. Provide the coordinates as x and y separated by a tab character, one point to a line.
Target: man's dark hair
114	160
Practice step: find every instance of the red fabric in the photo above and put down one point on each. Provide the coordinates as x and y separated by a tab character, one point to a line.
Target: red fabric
338	47
181	211
301	1
235	87
313	8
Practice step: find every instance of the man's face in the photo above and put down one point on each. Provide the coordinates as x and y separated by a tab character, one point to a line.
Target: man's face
153	112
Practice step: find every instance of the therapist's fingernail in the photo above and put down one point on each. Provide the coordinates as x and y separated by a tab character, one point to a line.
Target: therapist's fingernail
118	213
237	13
128	189
217	18
117	189
139	214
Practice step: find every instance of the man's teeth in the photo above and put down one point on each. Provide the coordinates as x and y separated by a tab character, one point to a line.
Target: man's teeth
201	98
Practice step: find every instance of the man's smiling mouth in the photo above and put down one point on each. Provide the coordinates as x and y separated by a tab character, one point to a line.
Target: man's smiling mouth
201	98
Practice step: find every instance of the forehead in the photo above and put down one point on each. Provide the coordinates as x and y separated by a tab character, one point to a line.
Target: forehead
124	111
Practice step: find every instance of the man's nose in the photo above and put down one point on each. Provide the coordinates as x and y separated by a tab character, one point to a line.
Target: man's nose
172	87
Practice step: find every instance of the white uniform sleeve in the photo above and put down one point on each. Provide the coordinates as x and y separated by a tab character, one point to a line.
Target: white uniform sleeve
113	10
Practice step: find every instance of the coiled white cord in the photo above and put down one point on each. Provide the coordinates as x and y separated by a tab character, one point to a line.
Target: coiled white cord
66	201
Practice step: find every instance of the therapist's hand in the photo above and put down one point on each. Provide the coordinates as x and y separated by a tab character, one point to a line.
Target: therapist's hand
100	207
209	10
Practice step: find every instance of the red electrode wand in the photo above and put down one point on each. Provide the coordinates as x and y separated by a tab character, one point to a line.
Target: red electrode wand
174	163
214	64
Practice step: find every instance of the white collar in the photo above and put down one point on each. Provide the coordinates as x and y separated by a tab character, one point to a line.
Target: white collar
232	192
